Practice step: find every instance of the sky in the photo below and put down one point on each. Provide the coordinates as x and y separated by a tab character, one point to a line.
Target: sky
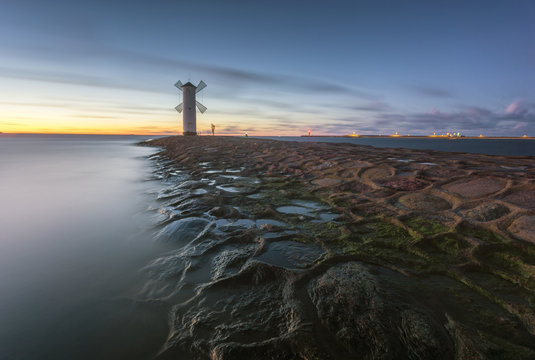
272	67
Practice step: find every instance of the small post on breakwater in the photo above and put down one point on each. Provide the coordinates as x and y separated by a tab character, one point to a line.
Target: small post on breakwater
187	106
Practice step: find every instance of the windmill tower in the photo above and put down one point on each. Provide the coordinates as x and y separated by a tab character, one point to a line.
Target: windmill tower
189	117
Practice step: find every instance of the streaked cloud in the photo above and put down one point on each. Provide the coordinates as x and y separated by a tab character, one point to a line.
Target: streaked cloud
89	116
98	51
70	78
376	106
467	120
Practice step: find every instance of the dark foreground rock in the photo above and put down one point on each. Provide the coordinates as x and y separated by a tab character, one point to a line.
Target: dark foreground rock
329	251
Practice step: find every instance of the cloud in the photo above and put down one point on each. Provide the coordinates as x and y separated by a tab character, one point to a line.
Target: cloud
89	116
9	123
520	126
470	119
71	79
271	106
375	106
233	98
517	107
238	77
233	129
102	108
431	91
155	130
517	119
87	50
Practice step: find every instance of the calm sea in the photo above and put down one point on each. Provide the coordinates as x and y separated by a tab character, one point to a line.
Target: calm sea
73	236
513	147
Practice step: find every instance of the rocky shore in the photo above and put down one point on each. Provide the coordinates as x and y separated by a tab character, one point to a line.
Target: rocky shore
290	250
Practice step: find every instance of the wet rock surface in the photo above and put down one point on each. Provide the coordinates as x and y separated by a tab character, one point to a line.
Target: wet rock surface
523	228
424	202
524	198
486	212
475	187
332	251
183	230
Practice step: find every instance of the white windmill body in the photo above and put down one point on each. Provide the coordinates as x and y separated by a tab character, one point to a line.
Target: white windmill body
188	106
190	112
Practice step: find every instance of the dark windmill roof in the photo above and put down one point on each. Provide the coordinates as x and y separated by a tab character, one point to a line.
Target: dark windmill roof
188	84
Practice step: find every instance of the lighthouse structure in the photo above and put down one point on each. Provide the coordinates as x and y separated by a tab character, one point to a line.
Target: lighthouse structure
188	106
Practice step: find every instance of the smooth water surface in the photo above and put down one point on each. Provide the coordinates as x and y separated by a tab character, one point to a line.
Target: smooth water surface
512	147
71	240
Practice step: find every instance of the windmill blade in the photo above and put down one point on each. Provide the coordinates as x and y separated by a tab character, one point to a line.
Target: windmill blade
179	107
179	84
201	86
201	107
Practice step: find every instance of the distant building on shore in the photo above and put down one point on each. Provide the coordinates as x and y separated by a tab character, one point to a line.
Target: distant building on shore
187	106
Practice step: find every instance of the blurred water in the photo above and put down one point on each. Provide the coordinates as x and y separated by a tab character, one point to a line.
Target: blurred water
72	238
512	147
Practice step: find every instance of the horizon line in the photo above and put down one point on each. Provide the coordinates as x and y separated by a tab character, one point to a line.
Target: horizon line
271	135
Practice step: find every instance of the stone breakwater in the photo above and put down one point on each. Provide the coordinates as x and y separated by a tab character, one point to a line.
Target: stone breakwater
281	250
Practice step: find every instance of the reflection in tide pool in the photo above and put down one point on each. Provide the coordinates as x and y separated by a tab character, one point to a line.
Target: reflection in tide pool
72	238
